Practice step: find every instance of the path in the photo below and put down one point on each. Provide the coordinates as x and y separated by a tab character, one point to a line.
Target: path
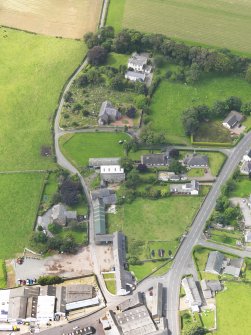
224	248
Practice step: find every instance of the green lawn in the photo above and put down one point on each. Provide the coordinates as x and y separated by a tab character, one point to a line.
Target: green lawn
242	189
33	70
147	220
115	14
2	274
171	99
80	147
225	237
110	282
233	306
116	60
141	271
19	201
196	173
207	318
225	24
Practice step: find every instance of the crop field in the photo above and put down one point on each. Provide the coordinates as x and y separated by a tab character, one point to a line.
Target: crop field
19	199
65	18
220	23
171	99
33	70
232	303
80	147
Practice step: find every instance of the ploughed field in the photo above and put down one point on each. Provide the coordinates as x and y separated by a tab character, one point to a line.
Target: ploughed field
221	23
66	18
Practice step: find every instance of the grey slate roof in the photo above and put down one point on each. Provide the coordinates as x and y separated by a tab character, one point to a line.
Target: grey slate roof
233	118
154	159
157	307
123	277
214	262
107	196
192	292
196	160
76	292
97	162
234	267
137	59
135	301
108	113
99	217
214	285
136	75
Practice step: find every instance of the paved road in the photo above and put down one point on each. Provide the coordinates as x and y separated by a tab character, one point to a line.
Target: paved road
224	248
183	256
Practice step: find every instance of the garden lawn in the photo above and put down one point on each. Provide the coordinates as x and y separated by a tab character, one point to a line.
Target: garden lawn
33	70
171	99
242	189
3	281
117	60
207	318
225	237
225	24
232	304
141	271
19	201
213	132
147	220
80	147
110	282
115	14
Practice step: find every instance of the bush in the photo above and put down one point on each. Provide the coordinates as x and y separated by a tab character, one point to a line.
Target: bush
49	280
54	228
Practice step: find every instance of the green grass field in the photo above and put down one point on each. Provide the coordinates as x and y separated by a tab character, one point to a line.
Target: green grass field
233	306
2	274
33	70
80	147
19	201
243	188
224	24
110	282
159	218
171	99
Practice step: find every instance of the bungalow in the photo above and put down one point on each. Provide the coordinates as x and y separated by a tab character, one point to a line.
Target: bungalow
210	287
246	168
154	160
196	161
137	62
135	76
108	114
233	267
112	173
191	188
232	120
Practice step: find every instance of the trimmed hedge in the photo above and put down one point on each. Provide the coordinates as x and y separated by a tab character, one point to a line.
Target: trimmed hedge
212	144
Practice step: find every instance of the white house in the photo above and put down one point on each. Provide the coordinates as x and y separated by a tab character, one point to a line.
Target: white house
247	157
111	169
137	62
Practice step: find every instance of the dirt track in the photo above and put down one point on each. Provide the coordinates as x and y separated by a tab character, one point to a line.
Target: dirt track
66	18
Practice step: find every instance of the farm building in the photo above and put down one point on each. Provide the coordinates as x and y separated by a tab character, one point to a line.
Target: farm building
112	173
97	162
135	301
196	161
106	195
192	293
232	120
157	306
99	217
108	114
135	76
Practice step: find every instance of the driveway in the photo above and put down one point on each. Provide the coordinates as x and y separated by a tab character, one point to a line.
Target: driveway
246	211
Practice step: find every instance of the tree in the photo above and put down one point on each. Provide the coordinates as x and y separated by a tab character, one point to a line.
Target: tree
234	103
246	108
142	167
159	61
193	74
133	179
174	153
248	74
176	167
83	80
194	329
191	124
97	55
220	108
131	112
68	97
127	164
118	83
222	203
40	237
68	245
70	192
